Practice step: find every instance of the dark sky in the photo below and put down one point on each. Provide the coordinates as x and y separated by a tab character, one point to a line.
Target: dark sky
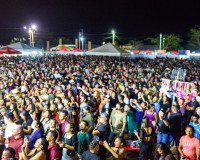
129	18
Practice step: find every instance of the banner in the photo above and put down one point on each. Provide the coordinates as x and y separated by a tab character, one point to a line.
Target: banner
178	88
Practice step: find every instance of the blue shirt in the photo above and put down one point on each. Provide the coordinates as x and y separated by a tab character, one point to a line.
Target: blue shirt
33	138
196	130
157	106
139	115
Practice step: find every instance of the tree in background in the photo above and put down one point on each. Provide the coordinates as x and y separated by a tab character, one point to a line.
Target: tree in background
39	43
172	42
135	44
194	38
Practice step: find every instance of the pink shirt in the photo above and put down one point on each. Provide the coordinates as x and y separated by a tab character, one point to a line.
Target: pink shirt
189	147
62	126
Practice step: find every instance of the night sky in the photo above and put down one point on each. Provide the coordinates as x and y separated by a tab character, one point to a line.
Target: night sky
129	18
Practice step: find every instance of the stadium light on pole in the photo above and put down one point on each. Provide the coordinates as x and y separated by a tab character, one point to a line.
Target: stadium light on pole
113	35
31	31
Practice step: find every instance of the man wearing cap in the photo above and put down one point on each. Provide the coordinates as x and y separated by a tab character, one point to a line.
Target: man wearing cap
101	132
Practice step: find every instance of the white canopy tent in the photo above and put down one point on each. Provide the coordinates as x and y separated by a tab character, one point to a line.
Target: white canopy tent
107	50
25	49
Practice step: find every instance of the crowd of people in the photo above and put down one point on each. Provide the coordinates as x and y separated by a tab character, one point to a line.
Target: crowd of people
60	107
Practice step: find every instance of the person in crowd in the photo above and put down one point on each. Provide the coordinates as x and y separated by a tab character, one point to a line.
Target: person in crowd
189	146
118	152
140	110
192	105
63	121
101	133
162	152
83	138
69	143
92	154
83	103
196	125
58	101
9	121
132	125
54	110
27	121
38	152
8	153
46	120
106	108
182	110
54	127
165	105
15	141
147	139
36	134
53	148
88	117
162	128
117	123
152	116
174	119
156	104
14	110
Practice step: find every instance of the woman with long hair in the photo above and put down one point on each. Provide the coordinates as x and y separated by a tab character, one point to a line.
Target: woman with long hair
162	152
152	116
14	110
30	107
46	120
118	152
27	121
69	143
38	152
146	137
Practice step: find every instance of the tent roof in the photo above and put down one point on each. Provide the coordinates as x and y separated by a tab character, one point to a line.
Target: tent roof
108	50
22	46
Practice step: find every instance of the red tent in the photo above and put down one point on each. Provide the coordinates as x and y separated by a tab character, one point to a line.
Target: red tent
8	50
148	51
173	52
63	49
136	51
76	50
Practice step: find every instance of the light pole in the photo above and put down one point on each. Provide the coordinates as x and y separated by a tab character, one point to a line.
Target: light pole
31	31
82	39
160	41
163	42
113	35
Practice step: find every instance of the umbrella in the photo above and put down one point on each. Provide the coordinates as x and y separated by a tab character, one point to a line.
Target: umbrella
173	52
136	51
148	51
8	50
63	49
76	50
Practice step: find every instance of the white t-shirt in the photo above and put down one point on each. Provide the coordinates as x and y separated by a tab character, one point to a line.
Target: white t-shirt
8	130
45	97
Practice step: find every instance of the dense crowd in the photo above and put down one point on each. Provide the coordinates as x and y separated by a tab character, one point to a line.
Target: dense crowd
73	107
